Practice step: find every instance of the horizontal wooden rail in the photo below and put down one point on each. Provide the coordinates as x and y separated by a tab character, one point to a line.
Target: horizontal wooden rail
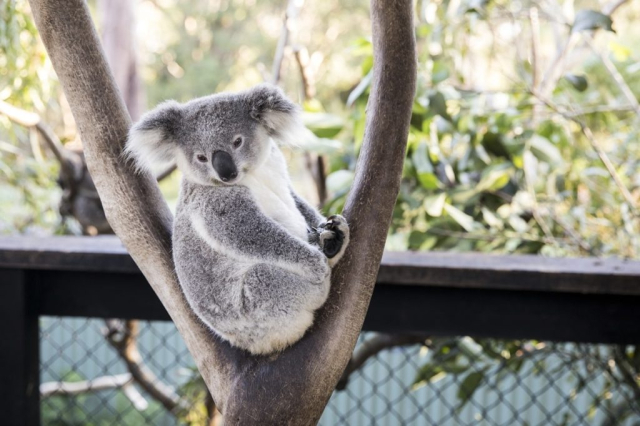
582	300
462	270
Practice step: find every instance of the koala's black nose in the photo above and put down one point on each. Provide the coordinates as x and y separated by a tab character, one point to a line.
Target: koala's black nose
224	166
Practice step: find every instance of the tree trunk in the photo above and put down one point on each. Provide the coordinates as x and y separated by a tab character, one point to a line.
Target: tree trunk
118	41
294	386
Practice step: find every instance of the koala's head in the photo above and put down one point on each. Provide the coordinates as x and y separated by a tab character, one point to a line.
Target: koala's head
218	138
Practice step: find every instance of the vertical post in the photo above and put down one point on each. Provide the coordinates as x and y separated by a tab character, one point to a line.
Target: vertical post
19	351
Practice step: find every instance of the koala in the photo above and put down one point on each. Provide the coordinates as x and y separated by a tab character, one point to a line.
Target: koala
253	258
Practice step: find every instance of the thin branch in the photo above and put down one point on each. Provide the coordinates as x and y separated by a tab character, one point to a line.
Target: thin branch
291	13
554	72
118	381
601	109
33	120
617	77
74	388
492	238
373	346
535	46
316	168
586	131
122	336
308	84
610	8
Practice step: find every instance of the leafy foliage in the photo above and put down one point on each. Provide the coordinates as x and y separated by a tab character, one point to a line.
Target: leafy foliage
504	167
600	372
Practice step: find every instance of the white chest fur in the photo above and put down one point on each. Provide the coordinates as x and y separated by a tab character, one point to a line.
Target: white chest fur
270	187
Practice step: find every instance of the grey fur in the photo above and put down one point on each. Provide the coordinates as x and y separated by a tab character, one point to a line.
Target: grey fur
253	258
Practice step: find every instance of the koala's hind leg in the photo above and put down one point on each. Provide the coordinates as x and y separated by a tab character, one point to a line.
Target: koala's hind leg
333	238
282	303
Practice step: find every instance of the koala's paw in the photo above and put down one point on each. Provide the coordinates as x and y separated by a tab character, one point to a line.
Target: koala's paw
334	238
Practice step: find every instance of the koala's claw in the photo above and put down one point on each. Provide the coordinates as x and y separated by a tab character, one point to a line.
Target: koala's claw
334	237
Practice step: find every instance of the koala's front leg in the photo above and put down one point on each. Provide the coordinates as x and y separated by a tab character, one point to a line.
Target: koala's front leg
333	238
330	235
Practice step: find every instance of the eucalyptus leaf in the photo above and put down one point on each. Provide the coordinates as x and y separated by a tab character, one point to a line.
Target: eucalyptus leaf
435	204
428	373
421	241
491	219
461	218
439	73
493	143
323	125
339	180
588	20
438	105
579	82
322	146
469	385
544	150
428	180
495	177
360	88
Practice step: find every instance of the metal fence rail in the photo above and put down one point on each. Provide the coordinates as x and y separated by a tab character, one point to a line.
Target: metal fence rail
49	288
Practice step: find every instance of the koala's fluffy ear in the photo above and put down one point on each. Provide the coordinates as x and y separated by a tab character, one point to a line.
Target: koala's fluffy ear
281	117
152	140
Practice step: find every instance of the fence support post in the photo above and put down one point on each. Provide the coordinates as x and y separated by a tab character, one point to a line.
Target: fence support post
19	351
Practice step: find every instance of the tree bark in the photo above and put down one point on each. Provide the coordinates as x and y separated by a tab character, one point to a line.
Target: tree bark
294	386
118	42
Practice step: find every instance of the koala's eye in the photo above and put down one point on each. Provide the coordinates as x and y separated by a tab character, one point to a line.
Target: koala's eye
237	142
201	158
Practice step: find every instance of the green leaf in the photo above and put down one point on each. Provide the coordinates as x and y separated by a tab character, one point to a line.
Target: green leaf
421	241
579	82
360	88
420	158
491	219
434	204
398	241
477	6
495	177
452	367
463	195
588	19
428	180
323	125
322	146
438	105
439	73
461	218
428	373
545	150
493	143
339	180
468	386
424	168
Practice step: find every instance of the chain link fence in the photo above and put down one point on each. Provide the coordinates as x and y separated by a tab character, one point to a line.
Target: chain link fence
96	372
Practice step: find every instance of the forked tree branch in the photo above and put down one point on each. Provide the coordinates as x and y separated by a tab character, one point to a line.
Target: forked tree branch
294	386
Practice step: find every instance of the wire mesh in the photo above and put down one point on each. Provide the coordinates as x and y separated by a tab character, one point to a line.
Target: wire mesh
441	381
